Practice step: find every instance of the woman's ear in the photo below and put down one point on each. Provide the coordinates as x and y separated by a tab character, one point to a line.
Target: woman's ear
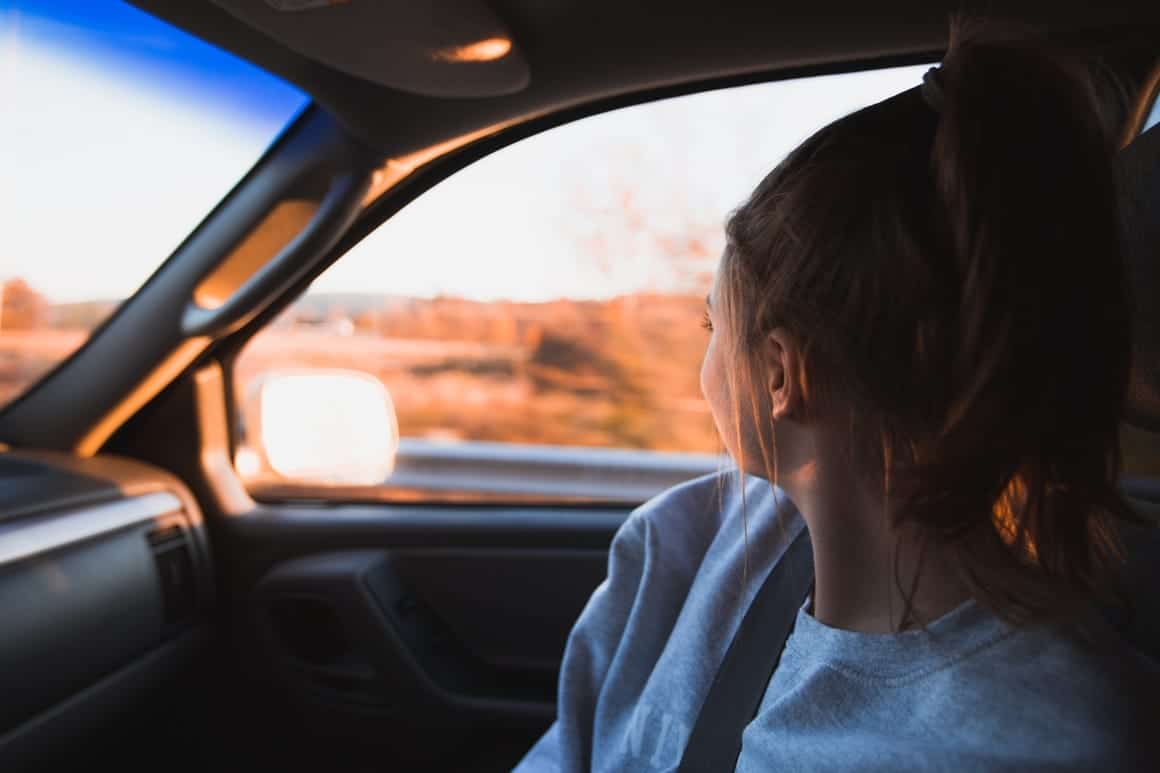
784	383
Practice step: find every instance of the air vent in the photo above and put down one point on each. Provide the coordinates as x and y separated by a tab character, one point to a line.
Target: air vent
171	552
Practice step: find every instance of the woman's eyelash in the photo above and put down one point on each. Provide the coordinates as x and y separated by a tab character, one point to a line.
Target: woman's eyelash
707	322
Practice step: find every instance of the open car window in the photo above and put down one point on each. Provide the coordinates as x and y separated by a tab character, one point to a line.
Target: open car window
531	326
120	133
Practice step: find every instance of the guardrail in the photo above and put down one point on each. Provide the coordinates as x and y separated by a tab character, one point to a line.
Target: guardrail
544	471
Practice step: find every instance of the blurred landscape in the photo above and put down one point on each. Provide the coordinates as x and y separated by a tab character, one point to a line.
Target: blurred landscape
36	335
621	373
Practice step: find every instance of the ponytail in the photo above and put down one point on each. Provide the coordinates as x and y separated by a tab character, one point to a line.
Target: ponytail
951	260
1022	166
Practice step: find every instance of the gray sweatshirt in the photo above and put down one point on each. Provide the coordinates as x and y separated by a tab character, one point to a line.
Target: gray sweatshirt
967	693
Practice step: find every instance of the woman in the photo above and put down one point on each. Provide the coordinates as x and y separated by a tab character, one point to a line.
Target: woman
919	332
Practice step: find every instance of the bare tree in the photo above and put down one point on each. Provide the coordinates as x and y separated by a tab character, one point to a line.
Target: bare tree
21	306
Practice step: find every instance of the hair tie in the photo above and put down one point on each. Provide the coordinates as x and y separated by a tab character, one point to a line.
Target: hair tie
932	90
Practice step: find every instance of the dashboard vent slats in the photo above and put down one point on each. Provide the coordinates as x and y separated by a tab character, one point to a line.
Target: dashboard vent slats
171	553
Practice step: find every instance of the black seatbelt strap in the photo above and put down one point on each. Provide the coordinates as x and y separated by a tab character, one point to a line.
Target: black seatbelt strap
741	681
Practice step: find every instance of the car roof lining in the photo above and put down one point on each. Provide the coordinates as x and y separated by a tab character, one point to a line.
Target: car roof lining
442	48
581	52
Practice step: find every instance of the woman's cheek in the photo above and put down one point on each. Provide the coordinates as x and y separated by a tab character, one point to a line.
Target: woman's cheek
715	390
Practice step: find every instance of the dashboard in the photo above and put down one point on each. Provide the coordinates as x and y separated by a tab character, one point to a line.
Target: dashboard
105	586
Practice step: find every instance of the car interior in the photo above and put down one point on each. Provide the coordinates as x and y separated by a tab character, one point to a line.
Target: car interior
158	613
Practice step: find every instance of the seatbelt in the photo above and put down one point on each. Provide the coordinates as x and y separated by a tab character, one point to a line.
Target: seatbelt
741	681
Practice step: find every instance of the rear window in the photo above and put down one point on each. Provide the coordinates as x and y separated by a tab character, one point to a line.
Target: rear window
119	134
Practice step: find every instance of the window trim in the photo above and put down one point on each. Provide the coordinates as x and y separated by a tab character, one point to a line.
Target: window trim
1145	103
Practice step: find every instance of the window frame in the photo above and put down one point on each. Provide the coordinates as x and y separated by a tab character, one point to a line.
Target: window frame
424	178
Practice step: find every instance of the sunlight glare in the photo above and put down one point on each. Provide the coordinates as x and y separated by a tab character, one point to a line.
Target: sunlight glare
328	426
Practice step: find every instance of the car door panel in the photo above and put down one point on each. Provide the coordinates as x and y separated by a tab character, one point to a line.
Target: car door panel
397	625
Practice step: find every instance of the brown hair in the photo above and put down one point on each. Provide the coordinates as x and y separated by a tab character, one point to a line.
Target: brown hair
955	278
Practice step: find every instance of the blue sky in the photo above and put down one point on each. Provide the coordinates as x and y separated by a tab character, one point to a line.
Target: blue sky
120	133
130	45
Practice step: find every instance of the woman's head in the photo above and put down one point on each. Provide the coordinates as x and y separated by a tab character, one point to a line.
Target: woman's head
945	288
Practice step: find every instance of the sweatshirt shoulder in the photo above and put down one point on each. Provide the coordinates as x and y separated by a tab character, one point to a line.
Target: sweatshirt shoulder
678	526
1091	702
709	500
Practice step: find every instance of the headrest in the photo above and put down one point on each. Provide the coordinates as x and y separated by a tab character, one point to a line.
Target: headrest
1139	169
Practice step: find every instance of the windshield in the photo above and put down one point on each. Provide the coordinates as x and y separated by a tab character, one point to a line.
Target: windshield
120	133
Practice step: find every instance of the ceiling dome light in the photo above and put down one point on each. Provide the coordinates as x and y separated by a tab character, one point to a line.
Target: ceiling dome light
446	49
483	51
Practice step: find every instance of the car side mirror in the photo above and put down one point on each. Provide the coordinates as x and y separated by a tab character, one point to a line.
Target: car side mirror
324	426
